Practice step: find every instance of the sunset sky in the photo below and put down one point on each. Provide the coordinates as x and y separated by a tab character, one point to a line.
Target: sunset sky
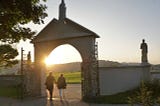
121	25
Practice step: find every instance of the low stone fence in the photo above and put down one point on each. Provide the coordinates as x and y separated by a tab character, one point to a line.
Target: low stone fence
155	75
10	80
119	79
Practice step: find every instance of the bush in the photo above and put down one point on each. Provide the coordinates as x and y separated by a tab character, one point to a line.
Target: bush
147	95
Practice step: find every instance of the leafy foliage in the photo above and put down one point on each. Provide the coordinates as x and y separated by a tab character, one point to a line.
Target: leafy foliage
147	95
7	54
143	97
14	14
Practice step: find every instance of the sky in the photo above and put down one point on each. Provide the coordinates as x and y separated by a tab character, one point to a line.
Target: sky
121	25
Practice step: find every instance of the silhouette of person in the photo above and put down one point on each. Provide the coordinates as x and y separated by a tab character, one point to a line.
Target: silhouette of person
144	49
61	84
50	84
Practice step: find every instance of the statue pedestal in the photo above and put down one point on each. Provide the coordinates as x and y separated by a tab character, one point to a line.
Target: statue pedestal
145	64
146	71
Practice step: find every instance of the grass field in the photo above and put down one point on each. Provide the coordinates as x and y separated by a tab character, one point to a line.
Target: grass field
11	91
71	77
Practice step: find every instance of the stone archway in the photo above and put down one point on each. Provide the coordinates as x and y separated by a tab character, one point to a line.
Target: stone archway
86	48
62	31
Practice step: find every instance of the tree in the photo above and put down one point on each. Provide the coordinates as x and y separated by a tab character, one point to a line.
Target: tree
7	54
14	14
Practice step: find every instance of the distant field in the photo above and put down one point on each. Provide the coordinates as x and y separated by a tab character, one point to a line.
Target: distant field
71	77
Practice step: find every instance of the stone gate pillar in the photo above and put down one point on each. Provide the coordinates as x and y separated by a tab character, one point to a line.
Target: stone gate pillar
90	87
90	75
40	69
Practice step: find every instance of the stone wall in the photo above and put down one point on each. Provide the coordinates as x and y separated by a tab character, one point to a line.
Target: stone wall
155	75
119	79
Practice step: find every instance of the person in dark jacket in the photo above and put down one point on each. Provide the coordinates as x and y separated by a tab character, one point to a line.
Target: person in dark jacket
50	84
61	84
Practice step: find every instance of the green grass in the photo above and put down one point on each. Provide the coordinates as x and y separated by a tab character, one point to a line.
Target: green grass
71	77
10	91
119	98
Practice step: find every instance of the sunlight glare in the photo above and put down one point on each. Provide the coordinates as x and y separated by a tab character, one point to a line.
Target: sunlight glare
63	54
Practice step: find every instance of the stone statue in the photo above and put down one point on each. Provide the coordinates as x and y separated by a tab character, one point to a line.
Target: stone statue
144	49
29	57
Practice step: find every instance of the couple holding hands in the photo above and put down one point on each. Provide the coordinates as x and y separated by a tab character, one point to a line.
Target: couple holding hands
61	84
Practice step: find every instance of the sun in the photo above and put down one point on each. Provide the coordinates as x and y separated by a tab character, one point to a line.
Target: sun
63	54
54	58
48	61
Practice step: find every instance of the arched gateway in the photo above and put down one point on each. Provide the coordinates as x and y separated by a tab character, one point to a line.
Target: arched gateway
65	31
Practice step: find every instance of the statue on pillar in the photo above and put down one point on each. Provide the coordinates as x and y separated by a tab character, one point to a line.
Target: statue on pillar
29	58
144	49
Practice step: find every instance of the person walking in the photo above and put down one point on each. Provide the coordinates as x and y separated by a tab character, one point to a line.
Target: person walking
50	84
61	84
